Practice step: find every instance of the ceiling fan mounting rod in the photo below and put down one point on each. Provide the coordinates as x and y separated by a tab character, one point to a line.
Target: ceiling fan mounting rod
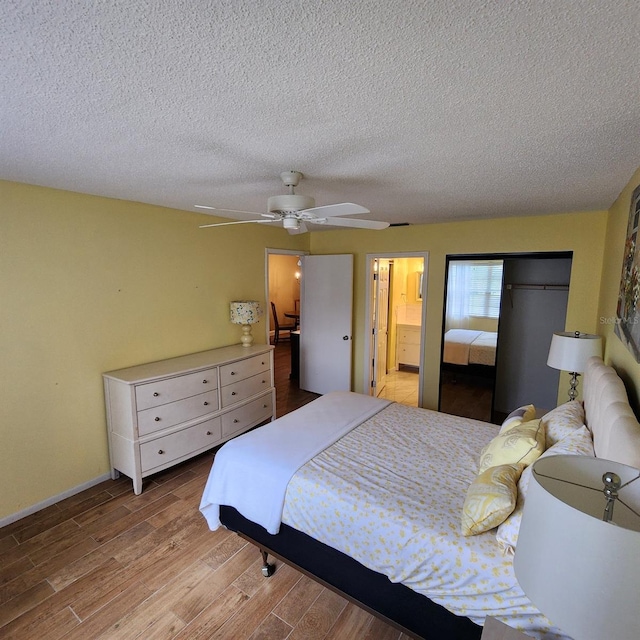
291	178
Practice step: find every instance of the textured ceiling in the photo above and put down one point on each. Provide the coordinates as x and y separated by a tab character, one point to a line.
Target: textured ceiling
420	111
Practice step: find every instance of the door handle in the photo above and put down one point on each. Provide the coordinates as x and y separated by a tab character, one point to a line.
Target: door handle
345	337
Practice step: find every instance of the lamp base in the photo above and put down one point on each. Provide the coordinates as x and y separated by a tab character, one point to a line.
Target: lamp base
246	339
573	386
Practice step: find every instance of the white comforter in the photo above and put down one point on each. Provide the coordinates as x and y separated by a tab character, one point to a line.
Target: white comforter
251	472
390	495
388	492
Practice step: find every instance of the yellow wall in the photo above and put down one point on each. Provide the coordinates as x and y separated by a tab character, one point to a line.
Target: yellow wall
616	354
582	233
90	284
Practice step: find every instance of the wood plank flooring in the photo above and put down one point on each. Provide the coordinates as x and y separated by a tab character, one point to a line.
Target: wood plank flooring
111	565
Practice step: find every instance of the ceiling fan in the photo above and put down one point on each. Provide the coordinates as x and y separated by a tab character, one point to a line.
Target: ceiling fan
294	212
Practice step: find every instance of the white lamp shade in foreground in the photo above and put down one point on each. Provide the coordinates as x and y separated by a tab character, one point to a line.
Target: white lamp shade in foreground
581	572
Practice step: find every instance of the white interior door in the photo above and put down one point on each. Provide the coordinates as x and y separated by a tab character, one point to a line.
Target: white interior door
325	323
381	325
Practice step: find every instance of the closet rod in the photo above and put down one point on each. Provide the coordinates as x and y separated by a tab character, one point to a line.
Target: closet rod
539	287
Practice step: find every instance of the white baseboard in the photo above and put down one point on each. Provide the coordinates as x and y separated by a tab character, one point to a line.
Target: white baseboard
49	501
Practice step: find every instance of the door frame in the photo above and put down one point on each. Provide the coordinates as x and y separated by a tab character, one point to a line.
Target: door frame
268	252
369	261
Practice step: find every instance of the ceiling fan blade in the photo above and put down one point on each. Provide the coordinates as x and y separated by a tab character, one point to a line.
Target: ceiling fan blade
229	213
341	209
225	224
352	222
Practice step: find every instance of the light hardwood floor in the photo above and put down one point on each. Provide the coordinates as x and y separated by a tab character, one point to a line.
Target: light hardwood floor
108	564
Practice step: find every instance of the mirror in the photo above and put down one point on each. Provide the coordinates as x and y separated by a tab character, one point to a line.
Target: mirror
419	279
473	295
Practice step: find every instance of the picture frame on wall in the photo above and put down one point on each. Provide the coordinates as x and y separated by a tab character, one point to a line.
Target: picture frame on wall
627	326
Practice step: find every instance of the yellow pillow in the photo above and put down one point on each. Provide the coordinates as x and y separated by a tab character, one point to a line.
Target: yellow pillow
522	444
491	498
517	416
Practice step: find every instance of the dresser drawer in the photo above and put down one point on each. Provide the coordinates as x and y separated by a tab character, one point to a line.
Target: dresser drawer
234	393
163	451
250	414
230	373
409	354
166	415
409	336
153	394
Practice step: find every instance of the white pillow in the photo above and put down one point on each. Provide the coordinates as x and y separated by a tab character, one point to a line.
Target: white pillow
562	421
577	443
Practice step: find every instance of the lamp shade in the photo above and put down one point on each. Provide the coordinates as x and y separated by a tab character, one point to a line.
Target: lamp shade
581	572
245	311
570	351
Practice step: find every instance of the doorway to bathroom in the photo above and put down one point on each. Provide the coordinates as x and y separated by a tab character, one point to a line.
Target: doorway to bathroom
396	308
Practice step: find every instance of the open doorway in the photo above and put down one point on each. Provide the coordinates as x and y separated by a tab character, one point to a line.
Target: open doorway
396	314
282	287
283	295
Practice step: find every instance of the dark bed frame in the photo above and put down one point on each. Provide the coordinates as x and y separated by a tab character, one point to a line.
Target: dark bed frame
396	604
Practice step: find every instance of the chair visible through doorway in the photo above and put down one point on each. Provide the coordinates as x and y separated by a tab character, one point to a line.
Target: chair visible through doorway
280	327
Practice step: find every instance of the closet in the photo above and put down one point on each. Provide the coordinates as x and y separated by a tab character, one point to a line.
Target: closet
534	305
511	301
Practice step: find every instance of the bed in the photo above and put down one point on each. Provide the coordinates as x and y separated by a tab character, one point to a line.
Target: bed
366	497
465	347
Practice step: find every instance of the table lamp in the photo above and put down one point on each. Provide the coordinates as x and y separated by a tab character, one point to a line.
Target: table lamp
570	351
246	313
578	551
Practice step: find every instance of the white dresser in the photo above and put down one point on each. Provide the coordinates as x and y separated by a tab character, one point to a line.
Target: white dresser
408	345
161	413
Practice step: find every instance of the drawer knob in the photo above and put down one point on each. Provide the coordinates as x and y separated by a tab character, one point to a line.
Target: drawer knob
264	406
157	419
160	451
155	394
235	420
208	433
263	381
205	382
233	393
206	404
233	373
